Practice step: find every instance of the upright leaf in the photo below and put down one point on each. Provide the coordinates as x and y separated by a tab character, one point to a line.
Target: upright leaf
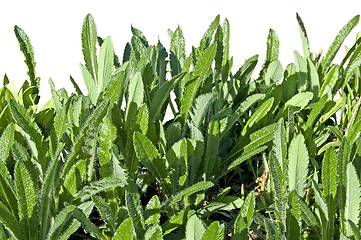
337	43
298	164
27	49
26	196
89	40
353	198
106	63
304	38
124	231
194	228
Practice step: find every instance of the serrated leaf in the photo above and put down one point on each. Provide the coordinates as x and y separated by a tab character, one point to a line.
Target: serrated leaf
10	222
214	231
161	96
315	111
194	228
135	212
26	196
89	40
304	38
105	211
201	71
99	186
258	114
124	231
337	43
245	156
355	61
152	211
154	233
177	51
202	105
245	217
27	49
106	63
207	36
144	148
343	160
272	46
200	186
329	174
85	143
353	198
298	164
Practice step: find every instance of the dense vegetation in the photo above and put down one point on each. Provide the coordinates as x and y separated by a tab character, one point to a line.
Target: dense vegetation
277	157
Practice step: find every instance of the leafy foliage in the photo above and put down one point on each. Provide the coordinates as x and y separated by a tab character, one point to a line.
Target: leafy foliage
276	157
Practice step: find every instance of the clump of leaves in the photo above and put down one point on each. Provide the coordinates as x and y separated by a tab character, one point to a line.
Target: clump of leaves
275	157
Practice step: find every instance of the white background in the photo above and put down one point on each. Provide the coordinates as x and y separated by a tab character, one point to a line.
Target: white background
54	29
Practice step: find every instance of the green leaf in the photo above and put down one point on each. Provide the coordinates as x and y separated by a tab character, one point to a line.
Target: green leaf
313	77
87	224
343	160
161	96
154	233
135	212
245	156
355	230
202	105
194	228
48	190
353	198
10	222
207	36
144	148
200	186
273	73
26	196
301	69
106	63
355	61
124	231
226	37
201	71
272	46
315	111
89	40
27	49
337	43
6	142
299	100
85	143
258	114
135	91
90	84
64	224
245	217
329	174
298	164
99	186
304	38
105	211
214	231
152	211
177	51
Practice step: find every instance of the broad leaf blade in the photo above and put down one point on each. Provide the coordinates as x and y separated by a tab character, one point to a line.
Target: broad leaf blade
89	40
298	164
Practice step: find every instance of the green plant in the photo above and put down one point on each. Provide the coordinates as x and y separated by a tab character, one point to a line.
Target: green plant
276	157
